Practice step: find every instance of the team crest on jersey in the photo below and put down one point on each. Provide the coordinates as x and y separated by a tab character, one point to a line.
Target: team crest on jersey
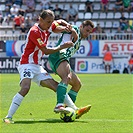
40	41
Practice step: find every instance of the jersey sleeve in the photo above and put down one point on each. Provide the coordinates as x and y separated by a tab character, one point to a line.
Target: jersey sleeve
36	38
54	25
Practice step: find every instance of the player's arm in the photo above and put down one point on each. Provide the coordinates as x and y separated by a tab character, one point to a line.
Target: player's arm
60	29
74	35
72	31
48	50
59	26
62	22
68	28
62	26
39	42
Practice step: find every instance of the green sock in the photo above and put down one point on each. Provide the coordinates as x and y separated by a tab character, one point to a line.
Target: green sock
61	92
72	95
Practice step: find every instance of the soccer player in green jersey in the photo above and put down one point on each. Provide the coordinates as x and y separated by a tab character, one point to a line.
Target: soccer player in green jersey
59	63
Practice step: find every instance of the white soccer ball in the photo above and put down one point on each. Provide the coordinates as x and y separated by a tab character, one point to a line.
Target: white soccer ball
69	117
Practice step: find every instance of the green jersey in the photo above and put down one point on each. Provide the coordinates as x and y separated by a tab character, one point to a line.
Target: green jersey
69	52
56	58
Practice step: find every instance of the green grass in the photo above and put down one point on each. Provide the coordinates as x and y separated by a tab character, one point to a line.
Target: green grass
109	94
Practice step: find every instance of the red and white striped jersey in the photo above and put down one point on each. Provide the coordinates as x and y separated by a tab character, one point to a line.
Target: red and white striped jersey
36	39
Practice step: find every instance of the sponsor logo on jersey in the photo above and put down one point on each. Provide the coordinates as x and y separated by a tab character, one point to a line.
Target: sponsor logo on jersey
40	41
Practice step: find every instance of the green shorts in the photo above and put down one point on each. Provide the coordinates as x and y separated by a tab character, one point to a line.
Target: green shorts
55	59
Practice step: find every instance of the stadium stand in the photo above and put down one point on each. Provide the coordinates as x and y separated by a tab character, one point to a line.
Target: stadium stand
108	21
87	15
110	15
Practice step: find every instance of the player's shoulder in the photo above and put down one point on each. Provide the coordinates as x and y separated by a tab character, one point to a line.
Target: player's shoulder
35	29
75	27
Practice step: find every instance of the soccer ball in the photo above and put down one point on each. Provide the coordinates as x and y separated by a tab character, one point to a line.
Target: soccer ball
69	117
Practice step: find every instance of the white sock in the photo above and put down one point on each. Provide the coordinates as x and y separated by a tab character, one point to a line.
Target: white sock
68	101
16	101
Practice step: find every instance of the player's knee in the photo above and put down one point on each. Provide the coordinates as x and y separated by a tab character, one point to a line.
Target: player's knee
68	78
79	84
24	90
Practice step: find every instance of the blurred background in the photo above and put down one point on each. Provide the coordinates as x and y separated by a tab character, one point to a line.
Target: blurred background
113	20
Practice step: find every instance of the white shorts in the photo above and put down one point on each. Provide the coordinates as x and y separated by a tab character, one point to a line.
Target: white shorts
34	72
107	62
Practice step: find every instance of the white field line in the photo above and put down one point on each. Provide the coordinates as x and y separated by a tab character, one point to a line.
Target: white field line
108	120
91	120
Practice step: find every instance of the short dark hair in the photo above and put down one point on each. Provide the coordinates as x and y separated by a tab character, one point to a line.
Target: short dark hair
88	22
46	13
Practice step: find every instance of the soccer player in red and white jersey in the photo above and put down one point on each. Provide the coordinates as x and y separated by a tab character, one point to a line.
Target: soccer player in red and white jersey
30	68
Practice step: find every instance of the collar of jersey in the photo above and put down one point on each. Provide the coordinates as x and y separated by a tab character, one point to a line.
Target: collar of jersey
36	24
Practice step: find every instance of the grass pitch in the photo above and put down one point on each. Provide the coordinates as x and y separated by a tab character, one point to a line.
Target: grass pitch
109	94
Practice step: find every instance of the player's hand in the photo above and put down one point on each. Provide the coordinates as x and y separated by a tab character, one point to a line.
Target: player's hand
68	44
68	28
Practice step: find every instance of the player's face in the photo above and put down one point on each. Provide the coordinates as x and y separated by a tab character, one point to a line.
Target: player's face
85	31
46	23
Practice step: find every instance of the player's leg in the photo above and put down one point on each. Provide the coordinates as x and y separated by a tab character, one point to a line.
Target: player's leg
26	76
130	68
76	85
52	84
45	80
49	83
106	67
64	72
67	76
56	64
17	99
109	68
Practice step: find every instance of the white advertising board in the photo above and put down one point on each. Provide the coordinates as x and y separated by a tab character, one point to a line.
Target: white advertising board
95	65
119	48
